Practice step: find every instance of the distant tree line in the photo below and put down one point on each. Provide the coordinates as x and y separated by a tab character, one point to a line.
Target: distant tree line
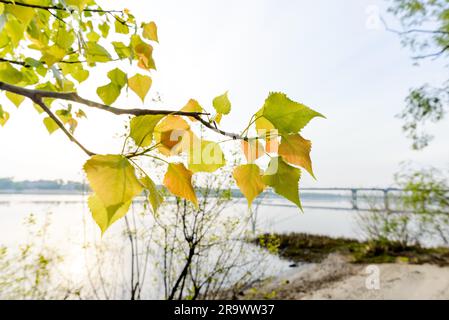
10	184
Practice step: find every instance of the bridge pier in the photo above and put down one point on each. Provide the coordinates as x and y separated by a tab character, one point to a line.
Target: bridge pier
386	202
354	199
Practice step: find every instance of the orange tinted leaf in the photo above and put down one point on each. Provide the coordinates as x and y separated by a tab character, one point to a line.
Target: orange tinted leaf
178	181
294	149
169	133
252	149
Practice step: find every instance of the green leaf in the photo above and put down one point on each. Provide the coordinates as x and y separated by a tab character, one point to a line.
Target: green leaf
123	51
121	27
113	180
15	30
23	14
150	31
93	36
118	77
284	179
178	181
53	54
154	195
96	53
142	128
140	84
9	74
106	217
104	29
65	38
15	98
222	104
249	180
80	75
286	115
51	125
109	93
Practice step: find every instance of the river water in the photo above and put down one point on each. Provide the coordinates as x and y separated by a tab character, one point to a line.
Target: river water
71	231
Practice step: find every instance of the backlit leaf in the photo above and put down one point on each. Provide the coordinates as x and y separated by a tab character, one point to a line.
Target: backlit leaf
154	195
140	84
249	180
123	51
150	31
286	115
178	181
50	124
204	156
96	53
108	93
15	98
284	180
113	180
4	116
294	149
120	26
106	217
118	77
222	104
192	106
169	133
142	128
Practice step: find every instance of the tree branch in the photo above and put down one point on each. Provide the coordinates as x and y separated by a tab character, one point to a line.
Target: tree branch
404	32
19	63
36	6
37	95
47	110
432	55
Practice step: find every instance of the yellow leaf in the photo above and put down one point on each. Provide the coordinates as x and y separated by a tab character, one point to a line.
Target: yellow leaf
178	181
294	149
104	217
15	98
51	125
4	116
144	54
252	149
192	106
218	117
222	104
154	195
204	156
249	180
113	179
150	31
142	128
169	133
53	54
80	4
140	84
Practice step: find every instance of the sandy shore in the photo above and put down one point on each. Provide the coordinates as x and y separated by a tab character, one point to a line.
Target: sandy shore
335	278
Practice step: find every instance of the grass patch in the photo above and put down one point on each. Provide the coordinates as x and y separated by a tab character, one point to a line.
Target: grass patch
301	247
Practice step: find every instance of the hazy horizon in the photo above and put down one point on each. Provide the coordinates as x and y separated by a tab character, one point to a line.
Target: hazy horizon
328	56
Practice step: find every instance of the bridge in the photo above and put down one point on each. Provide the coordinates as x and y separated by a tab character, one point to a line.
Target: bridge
354	196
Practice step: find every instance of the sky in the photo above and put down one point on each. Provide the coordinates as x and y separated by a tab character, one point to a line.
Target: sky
335	58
